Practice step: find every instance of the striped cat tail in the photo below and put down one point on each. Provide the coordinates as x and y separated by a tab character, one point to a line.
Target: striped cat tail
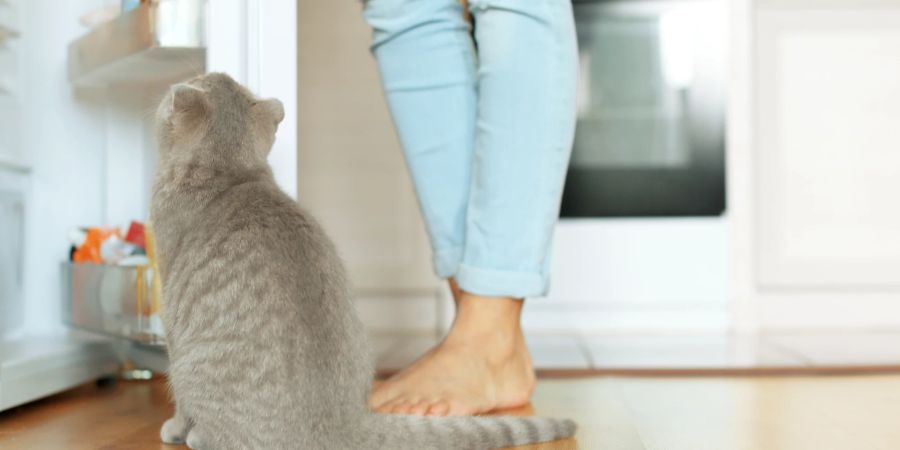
470	433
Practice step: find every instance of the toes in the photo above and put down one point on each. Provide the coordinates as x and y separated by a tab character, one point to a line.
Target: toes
420	408
450	408
400	408
387	406
459	409
376	405
405	406
415	405
438	408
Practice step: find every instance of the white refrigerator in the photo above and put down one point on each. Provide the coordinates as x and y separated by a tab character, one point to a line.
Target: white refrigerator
79	82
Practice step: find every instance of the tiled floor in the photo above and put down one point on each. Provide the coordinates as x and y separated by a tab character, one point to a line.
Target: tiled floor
844	349
700	352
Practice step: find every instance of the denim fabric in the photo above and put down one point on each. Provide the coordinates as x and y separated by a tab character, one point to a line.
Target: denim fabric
486	133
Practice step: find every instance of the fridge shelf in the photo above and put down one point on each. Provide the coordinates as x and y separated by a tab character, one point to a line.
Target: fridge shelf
112	300
162	40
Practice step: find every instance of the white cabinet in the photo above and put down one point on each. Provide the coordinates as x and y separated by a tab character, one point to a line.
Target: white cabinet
11	154
12	257
13	175
815	163
828	110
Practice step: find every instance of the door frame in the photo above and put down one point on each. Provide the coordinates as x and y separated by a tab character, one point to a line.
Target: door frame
255	42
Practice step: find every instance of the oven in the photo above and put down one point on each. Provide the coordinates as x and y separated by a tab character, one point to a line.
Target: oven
651	113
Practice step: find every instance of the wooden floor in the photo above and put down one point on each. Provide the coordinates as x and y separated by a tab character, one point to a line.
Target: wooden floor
664	413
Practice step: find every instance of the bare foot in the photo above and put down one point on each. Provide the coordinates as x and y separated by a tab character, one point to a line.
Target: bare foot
483	364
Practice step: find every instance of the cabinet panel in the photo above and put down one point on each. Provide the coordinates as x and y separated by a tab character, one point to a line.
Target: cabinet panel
10	54
828	147
12	238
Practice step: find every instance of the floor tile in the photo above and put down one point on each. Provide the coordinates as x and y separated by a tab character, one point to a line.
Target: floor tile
753	351
619	352
557	352
686	352
841	349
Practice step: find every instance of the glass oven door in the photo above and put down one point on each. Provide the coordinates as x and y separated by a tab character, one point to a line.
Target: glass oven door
650	138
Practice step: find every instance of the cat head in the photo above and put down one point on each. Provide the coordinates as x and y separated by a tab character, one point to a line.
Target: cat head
214	117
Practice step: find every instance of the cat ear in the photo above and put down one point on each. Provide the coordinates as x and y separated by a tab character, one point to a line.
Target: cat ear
274	108
188	100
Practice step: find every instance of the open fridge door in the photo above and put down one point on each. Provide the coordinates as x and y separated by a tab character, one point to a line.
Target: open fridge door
79	82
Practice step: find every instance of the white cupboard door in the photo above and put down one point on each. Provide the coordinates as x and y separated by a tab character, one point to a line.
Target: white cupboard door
828	146
255	41
12	237
11	154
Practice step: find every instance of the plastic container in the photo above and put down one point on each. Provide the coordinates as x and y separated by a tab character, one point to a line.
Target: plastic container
112	300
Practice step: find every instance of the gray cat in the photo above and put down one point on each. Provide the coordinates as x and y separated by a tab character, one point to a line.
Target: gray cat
266	351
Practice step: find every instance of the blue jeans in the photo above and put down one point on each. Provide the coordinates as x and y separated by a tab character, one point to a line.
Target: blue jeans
487	133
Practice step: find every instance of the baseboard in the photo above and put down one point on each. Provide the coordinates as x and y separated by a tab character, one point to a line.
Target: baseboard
832	311
423	313
588	319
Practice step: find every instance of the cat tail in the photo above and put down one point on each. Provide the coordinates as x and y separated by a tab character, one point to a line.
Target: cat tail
390	431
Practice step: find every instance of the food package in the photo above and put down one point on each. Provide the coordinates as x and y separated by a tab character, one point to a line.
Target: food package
89	251
135	234
156	283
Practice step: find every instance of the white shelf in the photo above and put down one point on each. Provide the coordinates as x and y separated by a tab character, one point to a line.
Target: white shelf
159	41
147	357
35	367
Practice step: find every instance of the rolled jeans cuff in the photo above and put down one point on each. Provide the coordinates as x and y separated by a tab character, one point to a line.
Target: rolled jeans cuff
446	262
501	283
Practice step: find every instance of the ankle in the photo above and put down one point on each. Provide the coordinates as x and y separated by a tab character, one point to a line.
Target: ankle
488	325
491	312
455	290
497	341
479	331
